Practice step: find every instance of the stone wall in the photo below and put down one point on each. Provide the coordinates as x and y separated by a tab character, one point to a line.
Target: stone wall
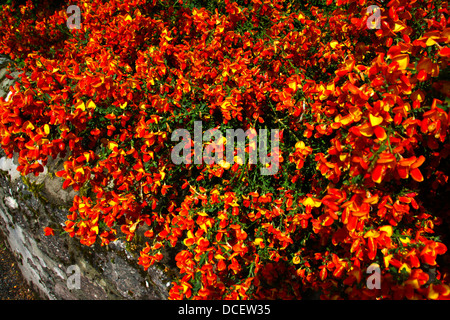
59	267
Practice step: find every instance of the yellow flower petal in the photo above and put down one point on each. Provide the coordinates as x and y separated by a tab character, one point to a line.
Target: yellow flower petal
402	60
399	26
112	145
372	234
311	202
258	241
80	105
388	229
91	105
224	164
300	145
404	267
374	121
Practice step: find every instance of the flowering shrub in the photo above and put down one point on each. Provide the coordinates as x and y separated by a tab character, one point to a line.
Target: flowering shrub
363	155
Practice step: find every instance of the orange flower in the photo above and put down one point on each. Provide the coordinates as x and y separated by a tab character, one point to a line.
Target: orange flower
405	167
49	231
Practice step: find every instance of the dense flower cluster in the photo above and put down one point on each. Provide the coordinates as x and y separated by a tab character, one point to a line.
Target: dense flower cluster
364	150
